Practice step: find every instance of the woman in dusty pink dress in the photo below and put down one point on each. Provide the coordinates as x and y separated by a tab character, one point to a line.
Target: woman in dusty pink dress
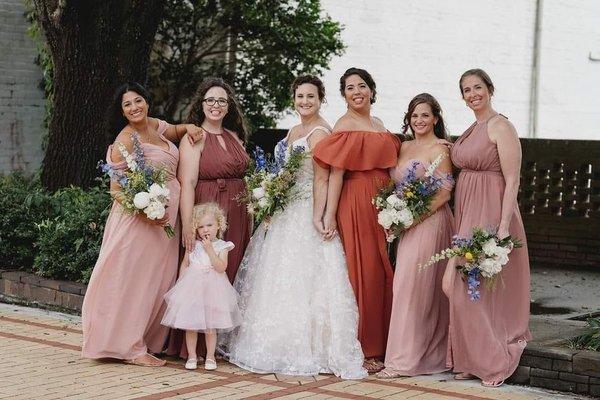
137	263
418	335
487	336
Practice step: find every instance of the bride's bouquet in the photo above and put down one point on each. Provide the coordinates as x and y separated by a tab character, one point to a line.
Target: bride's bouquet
269	182
400	204
484	256
143	186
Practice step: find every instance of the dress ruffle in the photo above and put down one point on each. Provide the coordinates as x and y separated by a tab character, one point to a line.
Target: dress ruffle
358	150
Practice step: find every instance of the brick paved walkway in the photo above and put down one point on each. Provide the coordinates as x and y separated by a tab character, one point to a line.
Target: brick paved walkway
40	359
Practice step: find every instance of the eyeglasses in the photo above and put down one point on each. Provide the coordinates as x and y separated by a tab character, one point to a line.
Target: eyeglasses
211	101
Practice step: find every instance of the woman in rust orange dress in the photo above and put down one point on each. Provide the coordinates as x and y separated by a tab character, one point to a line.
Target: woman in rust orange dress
359	153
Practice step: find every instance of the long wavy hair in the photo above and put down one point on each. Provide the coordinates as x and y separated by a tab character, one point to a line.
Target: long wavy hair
234	119
116	119
439	129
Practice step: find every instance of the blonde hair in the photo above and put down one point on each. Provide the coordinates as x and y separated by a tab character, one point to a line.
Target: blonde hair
213	209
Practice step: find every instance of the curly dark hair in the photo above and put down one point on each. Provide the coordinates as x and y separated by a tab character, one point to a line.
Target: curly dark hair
116	119
365	77
234	119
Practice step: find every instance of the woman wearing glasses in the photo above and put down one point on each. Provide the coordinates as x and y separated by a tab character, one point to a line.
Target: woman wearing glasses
213	171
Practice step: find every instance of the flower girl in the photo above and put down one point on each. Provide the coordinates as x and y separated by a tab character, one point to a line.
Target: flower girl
203	300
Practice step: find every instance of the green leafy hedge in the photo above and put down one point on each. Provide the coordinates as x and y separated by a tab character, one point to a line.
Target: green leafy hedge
54	235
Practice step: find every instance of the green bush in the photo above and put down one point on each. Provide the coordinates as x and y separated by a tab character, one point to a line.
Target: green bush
22	203
54	235
68	242
590	339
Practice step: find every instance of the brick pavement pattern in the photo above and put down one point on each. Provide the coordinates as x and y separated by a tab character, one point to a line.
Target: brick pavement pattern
40	358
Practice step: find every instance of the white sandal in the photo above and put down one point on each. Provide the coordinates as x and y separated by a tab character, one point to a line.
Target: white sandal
210	365
191	363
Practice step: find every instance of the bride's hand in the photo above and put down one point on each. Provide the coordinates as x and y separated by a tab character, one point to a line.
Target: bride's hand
318	224
330	225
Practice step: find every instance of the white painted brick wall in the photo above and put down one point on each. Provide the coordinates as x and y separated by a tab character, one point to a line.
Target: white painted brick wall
21	101
424	46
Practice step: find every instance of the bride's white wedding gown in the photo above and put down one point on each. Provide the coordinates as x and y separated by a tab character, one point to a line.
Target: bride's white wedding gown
299	313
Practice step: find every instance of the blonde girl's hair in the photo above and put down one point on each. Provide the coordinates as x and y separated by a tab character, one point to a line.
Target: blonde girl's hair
203	209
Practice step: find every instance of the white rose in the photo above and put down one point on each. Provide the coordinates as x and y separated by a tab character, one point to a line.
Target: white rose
157	190
155	210
489	267
258	193
502	255
263	202
406	217
394	201
489	247
141	200
385	219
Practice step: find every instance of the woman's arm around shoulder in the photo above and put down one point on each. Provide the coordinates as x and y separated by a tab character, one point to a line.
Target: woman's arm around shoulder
124	138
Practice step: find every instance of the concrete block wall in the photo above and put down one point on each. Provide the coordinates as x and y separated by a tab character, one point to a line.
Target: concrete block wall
21	100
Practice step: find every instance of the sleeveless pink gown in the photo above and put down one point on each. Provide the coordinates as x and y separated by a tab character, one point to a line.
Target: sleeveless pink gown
137	265
418	337
487	337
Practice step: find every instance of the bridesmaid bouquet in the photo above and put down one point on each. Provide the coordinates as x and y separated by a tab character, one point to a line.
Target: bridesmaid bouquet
400	204
484	254
143	186
269	182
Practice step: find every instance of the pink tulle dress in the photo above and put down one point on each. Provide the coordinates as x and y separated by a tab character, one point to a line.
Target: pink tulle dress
203	299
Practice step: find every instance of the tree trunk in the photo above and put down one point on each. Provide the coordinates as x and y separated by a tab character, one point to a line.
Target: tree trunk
95	46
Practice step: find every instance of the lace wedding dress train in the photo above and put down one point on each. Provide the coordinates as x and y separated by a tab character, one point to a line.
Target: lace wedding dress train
299	313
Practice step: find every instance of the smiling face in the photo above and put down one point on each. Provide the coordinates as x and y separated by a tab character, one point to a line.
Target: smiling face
357	93
422	120
208	226
306	100
475	93
134	106
215	112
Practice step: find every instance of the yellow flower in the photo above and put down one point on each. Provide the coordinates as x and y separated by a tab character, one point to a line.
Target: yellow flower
409	194
468	256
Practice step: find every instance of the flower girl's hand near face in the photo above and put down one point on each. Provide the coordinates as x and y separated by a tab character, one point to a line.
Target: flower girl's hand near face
207	243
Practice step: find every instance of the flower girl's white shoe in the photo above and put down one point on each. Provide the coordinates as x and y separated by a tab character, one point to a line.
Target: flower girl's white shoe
210	365
191	363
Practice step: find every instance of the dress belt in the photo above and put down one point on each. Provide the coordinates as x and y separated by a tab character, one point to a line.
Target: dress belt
221	182
480	171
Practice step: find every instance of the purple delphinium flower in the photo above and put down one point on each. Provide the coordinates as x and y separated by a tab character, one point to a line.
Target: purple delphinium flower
461	242
259	159
473	283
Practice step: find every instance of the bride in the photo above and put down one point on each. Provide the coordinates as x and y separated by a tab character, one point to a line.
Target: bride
299	312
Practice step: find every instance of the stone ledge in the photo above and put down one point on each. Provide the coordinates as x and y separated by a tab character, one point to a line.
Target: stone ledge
558	368
20	286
